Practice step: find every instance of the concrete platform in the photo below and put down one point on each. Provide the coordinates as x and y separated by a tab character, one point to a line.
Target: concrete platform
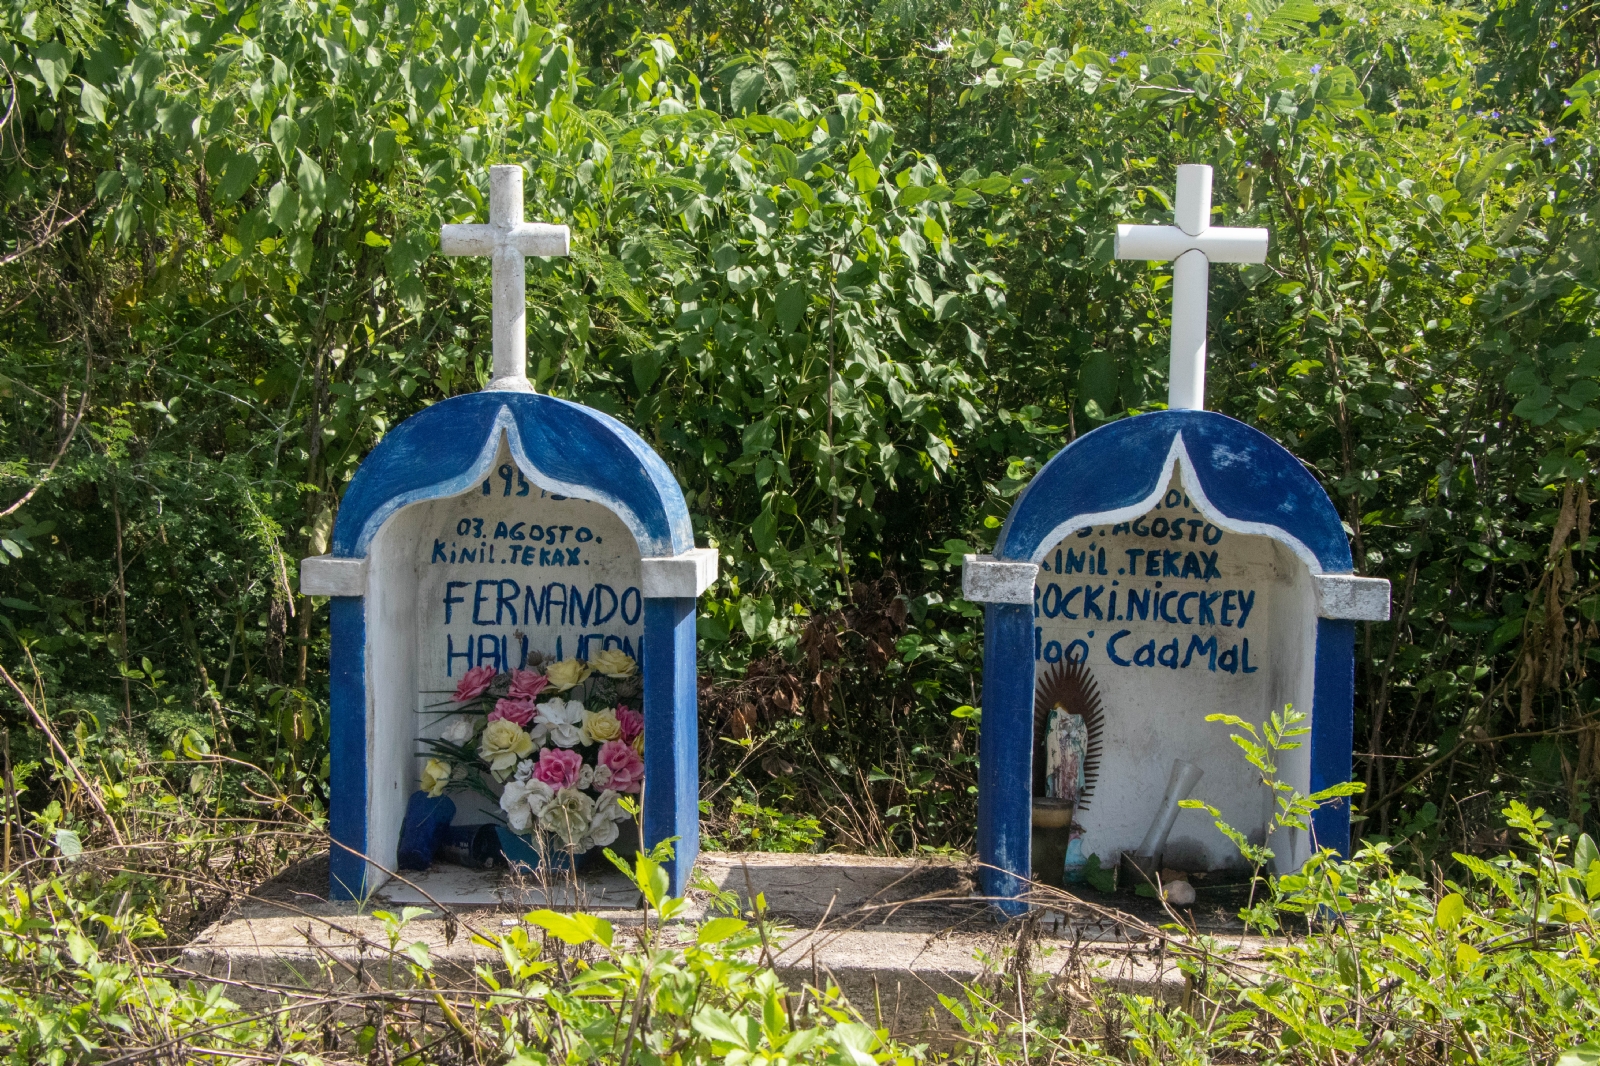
892	934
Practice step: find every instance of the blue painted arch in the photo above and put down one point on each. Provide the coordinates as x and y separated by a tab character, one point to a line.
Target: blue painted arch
563	447
1238	474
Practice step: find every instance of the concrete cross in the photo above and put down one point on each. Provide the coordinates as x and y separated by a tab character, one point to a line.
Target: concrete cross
1192	245
508	240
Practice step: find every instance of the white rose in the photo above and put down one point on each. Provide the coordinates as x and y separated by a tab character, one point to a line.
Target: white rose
567	817
606	806
602	832
564	720
523	800
458	730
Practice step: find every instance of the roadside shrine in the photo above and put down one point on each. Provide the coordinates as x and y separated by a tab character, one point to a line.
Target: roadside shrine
1159	569
486	529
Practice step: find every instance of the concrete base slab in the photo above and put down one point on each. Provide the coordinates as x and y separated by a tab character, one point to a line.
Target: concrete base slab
457	886
892	934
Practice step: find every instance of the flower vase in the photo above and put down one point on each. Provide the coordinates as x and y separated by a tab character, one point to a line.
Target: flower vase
524	858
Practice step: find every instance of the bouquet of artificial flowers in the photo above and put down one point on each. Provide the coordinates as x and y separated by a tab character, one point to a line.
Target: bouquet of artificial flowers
556	744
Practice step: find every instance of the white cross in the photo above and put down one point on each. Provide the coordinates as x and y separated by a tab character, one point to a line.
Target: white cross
1193	244
508	240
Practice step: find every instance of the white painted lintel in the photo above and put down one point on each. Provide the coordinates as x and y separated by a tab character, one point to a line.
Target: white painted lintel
1358	599
326	575
680	577
985	579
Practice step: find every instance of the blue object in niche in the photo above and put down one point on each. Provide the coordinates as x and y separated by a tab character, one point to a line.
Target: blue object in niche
425	829
523	857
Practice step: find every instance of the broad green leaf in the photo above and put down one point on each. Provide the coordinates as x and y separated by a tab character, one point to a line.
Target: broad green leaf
1451	910
313	185
238	174
1584	1054
93	101
745	92
653	881
857	1042
54	63
564	927
285	132
716	1025
719	929
68	843
790	306
863	172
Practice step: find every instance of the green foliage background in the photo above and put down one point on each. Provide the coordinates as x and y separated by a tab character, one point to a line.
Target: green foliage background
847	266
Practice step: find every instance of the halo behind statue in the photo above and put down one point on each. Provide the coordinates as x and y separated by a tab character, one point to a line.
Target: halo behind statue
1071	687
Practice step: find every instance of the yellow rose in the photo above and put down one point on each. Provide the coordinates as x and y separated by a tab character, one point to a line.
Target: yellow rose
504	742
600	726
614	662
435	776
567	673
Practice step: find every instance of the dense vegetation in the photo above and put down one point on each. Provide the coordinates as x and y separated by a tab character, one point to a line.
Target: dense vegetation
847	267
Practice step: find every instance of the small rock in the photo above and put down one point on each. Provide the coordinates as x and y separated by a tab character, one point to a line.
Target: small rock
1180	893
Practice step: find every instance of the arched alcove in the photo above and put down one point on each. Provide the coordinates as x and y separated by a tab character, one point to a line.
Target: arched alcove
484	529
1195	566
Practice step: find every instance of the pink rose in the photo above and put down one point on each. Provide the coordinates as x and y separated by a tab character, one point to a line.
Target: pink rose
559	767
516	711
632	721
474	683
527	684
627	768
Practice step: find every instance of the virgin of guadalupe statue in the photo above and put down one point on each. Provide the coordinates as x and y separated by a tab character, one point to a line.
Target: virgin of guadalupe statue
1066	749
1068	723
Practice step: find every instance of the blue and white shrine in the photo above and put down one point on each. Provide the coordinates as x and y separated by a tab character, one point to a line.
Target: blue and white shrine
1159	569
488	527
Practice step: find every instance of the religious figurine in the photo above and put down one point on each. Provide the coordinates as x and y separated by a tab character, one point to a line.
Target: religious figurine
1068	721
1066	747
